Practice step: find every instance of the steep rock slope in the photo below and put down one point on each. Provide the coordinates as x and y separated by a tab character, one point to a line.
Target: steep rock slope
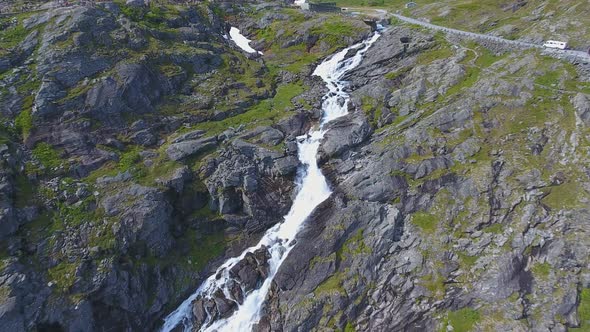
467	207
139	147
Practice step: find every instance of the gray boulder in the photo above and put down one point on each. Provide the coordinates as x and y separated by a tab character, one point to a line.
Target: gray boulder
264	135
183	149
286	165
177	179
137	3
191	135
144	218
4	64
144	138
49	92
582	105
295	125
344	133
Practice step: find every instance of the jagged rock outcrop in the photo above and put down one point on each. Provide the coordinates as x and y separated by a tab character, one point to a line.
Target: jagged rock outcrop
246	179
244	277
186	148
344	134
582	104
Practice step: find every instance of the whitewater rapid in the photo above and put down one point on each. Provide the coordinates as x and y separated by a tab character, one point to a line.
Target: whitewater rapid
312	190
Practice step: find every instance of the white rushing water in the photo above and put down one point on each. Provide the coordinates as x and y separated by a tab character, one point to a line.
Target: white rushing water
312	190
241	40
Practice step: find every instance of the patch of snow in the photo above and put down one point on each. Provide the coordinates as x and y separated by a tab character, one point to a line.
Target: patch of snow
241	40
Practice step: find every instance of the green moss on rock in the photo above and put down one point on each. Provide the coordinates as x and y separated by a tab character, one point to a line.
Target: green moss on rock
63	275
462	320
565	196
425	221
263	114
24	120
584	310
541	270
47	155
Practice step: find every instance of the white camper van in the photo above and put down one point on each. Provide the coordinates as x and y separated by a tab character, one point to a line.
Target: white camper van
555	44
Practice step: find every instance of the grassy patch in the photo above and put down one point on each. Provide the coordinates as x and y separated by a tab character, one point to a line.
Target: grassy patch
333	31
131	161
103	239
28	85
349	327
584	310
7	132
354	246
494	228
74	215
171	70
38	229
565	196
24	120
11	37
541	270
442	51
128	159
468	81
466	260
435	285
76	92
462	320
332	285
202	248
426	222
371	3
265	113
203	213
398	73
4	292
550	78
486	58
63	275
47	155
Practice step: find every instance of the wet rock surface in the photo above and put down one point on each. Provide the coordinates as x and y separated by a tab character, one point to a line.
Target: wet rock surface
245	276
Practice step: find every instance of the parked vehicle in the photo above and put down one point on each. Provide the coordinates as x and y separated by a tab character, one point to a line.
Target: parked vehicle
555	44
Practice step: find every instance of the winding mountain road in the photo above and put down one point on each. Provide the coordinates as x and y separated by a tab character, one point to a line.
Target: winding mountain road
466	33
573	55
577	55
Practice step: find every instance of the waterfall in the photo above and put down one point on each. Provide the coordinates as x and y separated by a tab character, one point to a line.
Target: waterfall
312	190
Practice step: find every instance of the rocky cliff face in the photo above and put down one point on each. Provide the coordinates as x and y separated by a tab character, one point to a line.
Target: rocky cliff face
464	205
83	253
139	148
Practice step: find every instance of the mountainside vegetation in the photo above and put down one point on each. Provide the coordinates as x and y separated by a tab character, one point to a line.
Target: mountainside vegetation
140	148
